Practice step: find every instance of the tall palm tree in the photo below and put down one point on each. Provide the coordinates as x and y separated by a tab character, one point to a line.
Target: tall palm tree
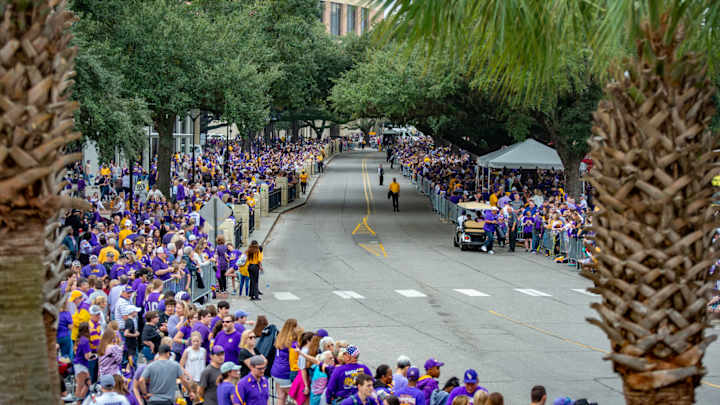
36	122
655	156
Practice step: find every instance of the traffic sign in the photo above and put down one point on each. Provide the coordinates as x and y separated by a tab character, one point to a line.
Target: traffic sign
215	211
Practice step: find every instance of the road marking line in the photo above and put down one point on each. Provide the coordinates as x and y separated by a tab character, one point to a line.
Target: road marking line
369	249
471	292
382	248
573	342
348	295
363	228
411	293
585	292
531	292
285	296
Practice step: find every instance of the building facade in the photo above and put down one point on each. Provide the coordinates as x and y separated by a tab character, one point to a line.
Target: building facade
342	17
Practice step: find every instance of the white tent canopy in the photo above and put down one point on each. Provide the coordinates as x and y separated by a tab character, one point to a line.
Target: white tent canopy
529	154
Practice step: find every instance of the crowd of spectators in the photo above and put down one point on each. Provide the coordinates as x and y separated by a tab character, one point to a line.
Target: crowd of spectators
528	205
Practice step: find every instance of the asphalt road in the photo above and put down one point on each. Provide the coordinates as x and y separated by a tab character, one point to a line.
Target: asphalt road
391	288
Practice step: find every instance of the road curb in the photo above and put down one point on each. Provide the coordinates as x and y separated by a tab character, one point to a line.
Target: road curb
288	209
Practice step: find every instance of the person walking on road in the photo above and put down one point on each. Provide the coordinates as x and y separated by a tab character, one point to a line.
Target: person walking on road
381	174
303	181
394	192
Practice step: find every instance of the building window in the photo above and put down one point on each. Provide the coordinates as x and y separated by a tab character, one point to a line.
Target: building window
364	20
335	18
351	17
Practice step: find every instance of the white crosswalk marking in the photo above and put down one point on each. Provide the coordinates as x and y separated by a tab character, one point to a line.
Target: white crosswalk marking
285	296
410	293
471	292
348	295
586	292
531	292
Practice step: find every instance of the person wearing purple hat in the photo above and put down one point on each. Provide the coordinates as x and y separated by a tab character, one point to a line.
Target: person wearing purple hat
341	384
411	395
428	382
322	333
470	379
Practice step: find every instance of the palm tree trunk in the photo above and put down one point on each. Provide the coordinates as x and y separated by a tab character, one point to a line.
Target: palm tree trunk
682	393
25	361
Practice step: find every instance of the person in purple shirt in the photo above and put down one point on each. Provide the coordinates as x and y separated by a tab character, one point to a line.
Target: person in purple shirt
411	395
223	308
470	379
203	327
428	383
93	269
342	381
490	223
229	339
253	388
229	373
364	395
159	265
119	268
139	285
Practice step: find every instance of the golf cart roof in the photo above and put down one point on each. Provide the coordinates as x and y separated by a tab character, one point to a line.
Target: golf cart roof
474	206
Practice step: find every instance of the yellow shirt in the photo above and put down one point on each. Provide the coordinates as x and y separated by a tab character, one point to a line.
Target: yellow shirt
105	171
293	359
303	178
493	200
257	260
79	317
122	235
102	257
395	187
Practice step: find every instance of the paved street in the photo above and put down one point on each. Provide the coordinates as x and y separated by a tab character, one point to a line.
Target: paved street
397	286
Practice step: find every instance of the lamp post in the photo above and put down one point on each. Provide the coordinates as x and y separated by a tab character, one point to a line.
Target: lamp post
227	151
194	115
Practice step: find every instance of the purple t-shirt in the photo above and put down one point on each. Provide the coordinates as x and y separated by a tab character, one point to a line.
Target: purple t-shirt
462	391
157	265
231	344
410	396
225	392
342	381
152	302
140	289
83	347
489	216
204	332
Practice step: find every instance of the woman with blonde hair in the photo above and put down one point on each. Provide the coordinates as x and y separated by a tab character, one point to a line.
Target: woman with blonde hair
247	344
110	352
281	366
480	397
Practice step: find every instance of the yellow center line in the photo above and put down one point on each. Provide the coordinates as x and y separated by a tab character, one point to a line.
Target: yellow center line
564	339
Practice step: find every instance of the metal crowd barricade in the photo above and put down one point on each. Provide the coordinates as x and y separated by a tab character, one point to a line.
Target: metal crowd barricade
274	199
175	285
452	212
207	272
575	250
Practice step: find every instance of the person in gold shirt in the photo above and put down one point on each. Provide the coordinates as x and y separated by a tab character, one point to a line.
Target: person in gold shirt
394	192
303	181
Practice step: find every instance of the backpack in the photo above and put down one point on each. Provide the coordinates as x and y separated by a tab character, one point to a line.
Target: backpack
266	346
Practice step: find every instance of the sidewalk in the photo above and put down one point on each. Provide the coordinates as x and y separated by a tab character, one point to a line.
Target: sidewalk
262	232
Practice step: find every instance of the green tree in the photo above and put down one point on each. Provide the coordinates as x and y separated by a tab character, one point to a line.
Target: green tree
654	154
177	56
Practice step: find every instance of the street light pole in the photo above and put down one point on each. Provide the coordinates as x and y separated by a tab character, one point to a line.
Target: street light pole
227	151
194	114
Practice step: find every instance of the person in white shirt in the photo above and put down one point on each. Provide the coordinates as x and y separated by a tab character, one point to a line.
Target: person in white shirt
193	358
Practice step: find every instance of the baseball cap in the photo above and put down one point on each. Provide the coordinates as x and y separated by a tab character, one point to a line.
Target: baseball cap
75	295
352	350
129	309
191	238
76	263
160	250
563	401
228	366
128	289
240	314
95	310
182	296
128	222
470	376
322	333
431	362
413	374
93	259
218	350
147	222
107	381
